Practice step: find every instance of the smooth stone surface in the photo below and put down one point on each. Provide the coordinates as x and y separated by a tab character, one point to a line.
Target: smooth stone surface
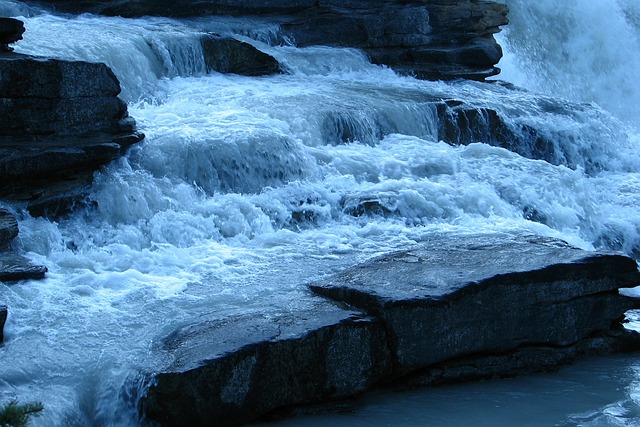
456	296
234	370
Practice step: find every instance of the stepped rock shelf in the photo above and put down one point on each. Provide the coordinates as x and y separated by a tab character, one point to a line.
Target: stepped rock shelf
59	122
431	39
452	309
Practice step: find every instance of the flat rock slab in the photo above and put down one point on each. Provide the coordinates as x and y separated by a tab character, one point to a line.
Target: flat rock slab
456	296
233	370
455	308
14	267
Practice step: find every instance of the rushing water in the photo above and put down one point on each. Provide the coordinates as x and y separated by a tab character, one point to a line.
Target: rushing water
246	188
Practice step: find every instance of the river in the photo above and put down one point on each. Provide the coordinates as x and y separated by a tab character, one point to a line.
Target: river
246	188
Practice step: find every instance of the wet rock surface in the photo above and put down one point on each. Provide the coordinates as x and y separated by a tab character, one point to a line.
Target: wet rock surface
434	39
8	229
453	309
59	122
229	55
457	296
14	267
235	370
3	319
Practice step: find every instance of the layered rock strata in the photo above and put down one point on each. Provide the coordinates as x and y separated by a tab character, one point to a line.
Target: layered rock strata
59	122
432	39
458	296
453	309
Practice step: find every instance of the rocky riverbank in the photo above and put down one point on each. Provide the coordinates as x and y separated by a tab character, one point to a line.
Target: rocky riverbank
453	309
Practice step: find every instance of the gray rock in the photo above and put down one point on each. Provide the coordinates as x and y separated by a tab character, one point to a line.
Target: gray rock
14	267
457	296
523	360
235	370
26	76
8	228
3	318
228	55
59	122
453	309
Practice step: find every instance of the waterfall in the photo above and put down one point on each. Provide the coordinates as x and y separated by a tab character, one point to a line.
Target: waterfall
587	51
248	187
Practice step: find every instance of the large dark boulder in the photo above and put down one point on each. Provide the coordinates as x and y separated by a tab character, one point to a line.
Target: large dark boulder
11	31
59	122
234	370
457	296
229	55
431	39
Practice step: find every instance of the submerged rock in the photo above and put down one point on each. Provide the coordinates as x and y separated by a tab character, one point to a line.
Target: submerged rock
229	55
453	309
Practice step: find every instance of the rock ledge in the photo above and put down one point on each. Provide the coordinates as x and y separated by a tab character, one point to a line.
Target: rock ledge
452	309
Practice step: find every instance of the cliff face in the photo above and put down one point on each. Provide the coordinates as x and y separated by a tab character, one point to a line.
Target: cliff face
431	39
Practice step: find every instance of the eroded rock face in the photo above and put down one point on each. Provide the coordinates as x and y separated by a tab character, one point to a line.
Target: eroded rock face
431	39
59	122
3	318
8	229
14	267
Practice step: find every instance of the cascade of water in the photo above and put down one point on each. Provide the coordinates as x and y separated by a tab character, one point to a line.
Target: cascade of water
140	51
583	50
247	187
